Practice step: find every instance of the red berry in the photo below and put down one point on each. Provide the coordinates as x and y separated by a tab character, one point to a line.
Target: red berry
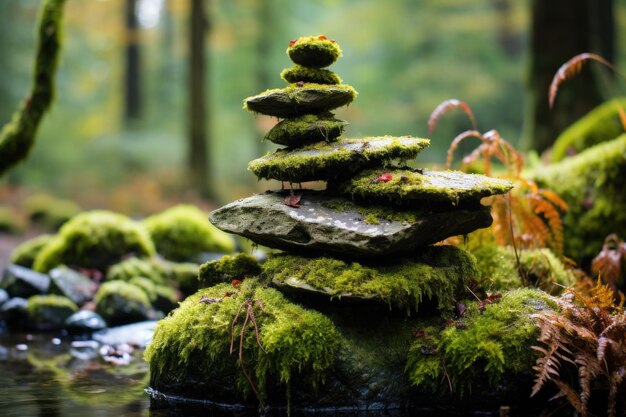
322	38
292	42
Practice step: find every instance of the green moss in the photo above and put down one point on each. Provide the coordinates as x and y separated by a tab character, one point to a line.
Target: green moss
228	268
193	342
324	161
120	302
439	272
313	51
483	345
49	211
299	73
297	100
305	129
424	186
374	213
599	125
26	252
183	232
137	267
18	136
185	275
145	285
592	183
9	221
371	218
540	268
48	312
95	239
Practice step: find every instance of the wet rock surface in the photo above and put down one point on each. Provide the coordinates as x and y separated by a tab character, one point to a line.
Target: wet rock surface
72	284
267	220
19	281
84	321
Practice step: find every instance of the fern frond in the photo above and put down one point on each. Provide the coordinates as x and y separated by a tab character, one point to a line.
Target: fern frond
446	106
457	140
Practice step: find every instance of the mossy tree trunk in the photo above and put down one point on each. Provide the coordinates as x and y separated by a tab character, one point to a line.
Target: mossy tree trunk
198	112
561	29
132	81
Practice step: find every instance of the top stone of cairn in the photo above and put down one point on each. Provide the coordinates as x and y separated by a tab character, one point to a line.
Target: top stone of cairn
313	51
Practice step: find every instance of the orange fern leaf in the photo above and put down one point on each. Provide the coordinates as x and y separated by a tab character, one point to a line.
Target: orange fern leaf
457	140
446	106
571	68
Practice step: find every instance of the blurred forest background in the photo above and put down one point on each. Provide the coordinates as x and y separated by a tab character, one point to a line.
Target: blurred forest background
117	136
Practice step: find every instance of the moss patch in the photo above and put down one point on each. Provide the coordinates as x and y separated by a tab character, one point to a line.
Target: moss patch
313	51
439	272
296	100
49	211
137	267
324	161
592	183
120	302
26	252
48	312
427	186
481	345
9	221
228	268
540	268
95	239
599	125
182	232
309	75
193	342
298	131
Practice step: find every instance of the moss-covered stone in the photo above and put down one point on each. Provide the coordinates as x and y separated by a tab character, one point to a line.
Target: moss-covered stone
439	273
120	302
147	286
166	299
539	268
9	221
49	211
185	276
49	312
25	253
340	159
302	130
228	268
137	267
483	345
423	186
313	51
592	183
599	125
183	232
193	343
299	73
95	239
296	100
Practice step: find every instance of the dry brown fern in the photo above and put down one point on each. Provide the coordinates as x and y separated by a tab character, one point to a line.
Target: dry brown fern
587	335
609	264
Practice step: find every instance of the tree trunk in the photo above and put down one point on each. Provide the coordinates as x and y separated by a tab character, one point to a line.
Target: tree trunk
560	30
198	111
132	90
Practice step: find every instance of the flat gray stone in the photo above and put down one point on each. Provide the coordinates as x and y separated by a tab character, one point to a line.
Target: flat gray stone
295	101
19	281
72	284
339	226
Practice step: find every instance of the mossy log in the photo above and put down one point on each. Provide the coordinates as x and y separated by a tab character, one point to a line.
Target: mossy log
18	136
342	158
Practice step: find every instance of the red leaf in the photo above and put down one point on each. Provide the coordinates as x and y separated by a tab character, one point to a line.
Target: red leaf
322	38
444	107
236	283
293	200
292	42
383	178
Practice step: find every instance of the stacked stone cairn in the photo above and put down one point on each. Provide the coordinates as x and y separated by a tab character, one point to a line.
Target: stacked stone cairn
359	255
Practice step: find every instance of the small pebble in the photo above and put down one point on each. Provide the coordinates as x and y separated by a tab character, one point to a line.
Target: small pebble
21	346
56	341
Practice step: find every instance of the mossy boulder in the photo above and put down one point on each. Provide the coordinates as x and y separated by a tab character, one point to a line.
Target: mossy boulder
10	223
190	351
95	239
592	183
184	275
313	51
228	268
539	268
303	130
49	211
299	73
49	312
340	159
26	252
183	232
334	225
120	302
137	267
405	186
599	125
297	100
438	274
480	347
